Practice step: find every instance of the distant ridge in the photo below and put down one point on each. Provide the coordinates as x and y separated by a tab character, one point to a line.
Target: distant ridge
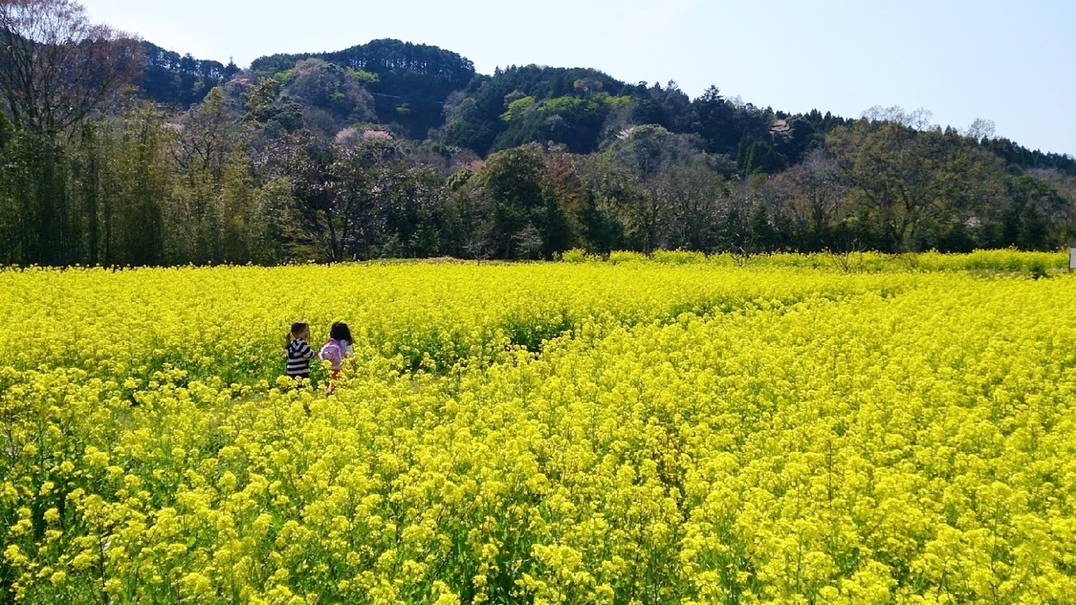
411	84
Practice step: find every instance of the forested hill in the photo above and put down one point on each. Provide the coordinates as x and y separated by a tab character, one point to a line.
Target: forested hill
180	80
427	92
116	151
409	82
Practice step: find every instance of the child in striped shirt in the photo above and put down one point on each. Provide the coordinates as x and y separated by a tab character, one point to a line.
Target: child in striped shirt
299	352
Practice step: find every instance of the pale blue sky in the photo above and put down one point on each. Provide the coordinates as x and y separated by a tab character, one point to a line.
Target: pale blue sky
1012	62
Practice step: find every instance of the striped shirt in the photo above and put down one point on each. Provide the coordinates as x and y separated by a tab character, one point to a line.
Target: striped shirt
299	354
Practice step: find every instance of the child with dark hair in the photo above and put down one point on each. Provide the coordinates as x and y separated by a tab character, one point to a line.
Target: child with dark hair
334	351
299	352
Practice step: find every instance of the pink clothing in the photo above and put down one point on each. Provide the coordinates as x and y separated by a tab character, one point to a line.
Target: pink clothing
335	351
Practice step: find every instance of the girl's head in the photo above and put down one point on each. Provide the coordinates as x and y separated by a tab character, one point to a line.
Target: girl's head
340	331
299	329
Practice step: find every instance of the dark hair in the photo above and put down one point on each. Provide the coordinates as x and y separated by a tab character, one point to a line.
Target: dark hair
297	329
340	331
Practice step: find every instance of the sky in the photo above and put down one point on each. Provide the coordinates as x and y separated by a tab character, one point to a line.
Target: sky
1012	62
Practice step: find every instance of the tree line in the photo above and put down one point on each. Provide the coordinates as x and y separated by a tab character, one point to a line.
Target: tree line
116	152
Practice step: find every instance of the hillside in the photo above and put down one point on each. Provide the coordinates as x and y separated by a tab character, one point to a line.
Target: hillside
396	149
419	88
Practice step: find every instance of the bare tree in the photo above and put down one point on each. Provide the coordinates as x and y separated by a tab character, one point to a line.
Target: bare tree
649	154
696	199
56	67
816	193
917	119
980	130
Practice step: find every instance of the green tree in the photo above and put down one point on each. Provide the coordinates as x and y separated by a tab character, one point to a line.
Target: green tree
746	227
512	180
759	157
313	187
669	174
695	194
1035	217
606	191
135	186
917	185
213	191
332	96
717	122
465	230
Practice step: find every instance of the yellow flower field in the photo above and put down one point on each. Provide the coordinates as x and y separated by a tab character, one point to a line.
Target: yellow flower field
675	430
